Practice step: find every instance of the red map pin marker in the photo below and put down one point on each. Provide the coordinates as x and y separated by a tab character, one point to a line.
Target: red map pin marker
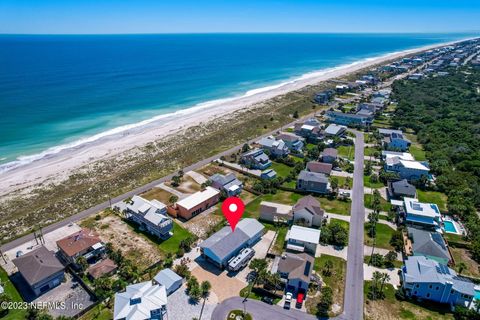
232	209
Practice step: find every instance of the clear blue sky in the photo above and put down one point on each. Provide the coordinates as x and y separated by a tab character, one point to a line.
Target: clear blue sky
187	16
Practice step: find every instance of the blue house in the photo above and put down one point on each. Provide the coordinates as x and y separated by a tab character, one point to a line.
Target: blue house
394	139
225	244
425	215
255	159
407	169
229	183
429	280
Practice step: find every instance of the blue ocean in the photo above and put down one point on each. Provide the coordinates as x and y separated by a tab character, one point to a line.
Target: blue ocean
55	89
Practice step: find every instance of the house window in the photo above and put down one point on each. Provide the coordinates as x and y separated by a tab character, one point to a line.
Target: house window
428	295
415	293
430	287
437	288
417	286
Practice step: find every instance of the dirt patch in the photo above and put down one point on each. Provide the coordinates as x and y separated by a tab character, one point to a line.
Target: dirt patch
463	255
204	222
157	194
132	245
187	185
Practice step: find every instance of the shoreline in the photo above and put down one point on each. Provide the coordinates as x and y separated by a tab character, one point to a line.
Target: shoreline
55	164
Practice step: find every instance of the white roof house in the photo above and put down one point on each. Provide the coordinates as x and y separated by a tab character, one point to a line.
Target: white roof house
140	301
335	129
413	165
400	155
303	234
308	127
153	210
198	197
169	279
413	206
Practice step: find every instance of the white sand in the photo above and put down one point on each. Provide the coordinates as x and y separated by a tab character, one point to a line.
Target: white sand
59	165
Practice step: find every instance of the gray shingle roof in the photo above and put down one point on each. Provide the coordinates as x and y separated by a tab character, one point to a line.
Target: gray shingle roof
37	265
428	243
312	176
402	187
310	204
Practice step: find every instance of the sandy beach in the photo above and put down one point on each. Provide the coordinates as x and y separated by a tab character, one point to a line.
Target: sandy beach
55	166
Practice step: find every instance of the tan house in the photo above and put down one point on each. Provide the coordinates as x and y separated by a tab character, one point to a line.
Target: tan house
197	202
275	212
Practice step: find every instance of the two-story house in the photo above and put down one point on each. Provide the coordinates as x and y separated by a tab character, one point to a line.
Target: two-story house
313	182
302	239
255	159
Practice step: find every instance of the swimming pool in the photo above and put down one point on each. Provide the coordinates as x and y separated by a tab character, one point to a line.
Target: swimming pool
477	295
449	226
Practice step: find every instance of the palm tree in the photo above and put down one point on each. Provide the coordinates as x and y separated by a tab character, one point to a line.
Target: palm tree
328	267
205	287
376	278
275	279
385	278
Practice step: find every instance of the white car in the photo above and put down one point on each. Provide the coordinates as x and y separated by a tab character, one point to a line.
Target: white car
288	300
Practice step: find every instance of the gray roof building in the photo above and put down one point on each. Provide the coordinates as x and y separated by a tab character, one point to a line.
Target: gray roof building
169	279
429	244
401	189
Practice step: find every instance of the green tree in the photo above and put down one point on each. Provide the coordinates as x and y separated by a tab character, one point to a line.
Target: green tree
173	198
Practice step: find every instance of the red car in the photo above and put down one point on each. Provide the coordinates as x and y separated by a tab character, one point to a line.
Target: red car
300	298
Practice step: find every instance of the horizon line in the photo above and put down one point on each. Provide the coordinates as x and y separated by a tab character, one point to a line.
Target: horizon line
240	32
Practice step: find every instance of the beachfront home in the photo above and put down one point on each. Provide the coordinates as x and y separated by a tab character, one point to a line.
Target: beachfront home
255	159
335	130
295	270
224	244
169	279
410	170
308	212
143	300
394	154
228	183
275	212
276	147
394	139
84	243
40	269
151	216
313	182
293	142
427	279
400	189
427	243
329	155
319	167
426	215
349	119
198	202
323	97
302	239
311	132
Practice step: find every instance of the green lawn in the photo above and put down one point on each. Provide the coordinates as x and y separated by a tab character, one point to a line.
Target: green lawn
369	184
346	152
342	223
417	152
396	263
252	209
336	280
172	244
235	313
391	308
384	204
280	240
100	312
370	151
384	234
342	182
335	206
12	293
439	198
310	146
281	169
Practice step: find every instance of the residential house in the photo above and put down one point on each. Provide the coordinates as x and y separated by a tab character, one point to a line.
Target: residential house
151	216
228	183
225	244
143	300
372	107
307	210
335	130
295	271
311	132
84	243
329	155
313	182
426	215
323	97
276	147
400	189
349	119
168	279
427	279
386	155
394	139
198	202
429	244
275	212
293	142
268	174
410	170
103	268
341	88
40	269
302	239
255	159
319	167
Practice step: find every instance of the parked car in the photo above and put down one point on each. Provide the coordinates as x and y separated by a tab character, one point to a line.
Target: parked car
288	300
267	300
300	298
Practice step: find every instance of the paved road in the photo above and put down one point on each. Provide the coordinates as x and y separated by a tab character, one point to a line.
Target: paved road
353	305
259	310
102	206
